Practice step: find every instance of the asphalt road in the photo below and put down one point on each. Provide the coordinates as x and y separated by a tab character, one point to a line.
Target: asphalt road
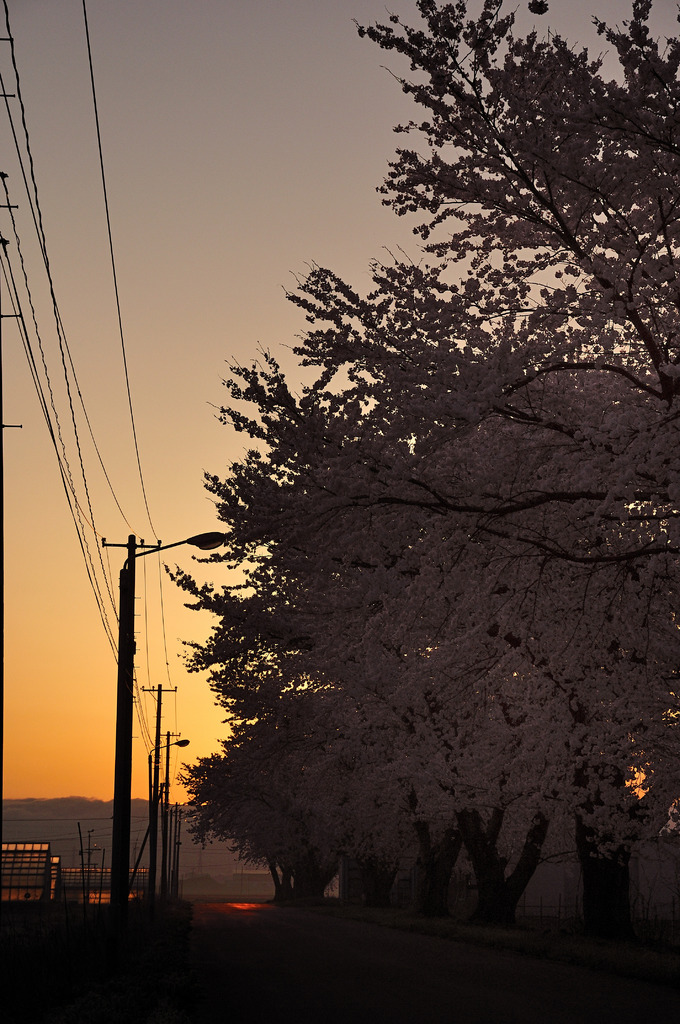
260	964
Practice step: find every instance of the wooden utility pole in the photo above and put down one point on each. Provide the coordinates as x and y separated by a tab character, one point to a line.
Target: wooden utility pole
122	781
155	801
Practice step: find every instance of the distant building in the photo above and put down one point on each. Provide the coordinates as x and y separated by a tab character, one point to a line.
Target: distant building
28	872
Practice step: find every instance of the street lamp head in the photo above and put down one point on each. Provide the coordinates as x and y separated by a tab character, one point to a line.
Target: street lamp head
181	743
207	541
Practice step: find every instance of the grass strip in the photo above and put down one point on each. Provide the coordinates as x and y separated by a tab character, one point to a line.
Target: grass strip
631	960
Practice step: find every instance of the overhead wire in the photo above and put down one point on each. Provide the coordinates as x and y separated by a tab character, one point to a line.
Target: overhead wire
66	480
54	423
32	195
163	630
140	703
142	717
113	270
36	214
146	624
57	314
79	516
82	517
121	333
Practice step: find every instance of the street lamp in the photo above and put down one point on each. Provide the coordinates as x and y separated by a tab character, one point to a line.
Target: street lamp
122	784
165	814
154	800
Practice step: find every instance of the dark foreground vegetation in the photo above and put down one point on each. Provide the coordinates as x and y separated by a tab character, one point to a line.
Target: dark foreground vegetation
59	967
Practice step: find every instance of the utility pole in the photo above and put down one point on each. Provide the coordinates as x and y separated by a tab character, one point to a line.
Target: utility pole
174	888
155	799
165	812
122	781
3	251
82	873
164	821
153	807
3	247
89	862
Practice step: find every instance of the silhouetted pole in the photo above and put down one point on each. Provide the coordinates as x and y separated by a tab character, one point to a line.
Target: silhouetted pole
3	248
122	784
177	844
153	807
172	831
166	808
165	859
3	245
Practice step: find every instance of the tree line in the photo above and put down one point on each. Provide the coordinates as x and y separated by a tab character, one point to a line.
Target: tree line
457	627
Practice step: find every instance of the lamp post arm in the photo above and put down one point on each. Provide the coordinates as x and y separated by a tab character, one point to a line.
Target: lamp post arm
203	541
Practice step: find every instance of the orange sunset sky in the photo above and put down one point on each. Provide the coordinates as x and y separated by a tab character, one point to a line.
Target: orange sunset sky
241	140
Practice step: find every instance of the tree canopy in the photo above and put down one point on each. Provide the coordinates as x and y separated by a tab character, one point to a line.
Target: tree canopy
460	538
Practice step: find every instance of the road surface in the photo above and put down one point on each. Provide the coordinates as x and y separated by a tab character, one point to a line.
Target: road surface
261	964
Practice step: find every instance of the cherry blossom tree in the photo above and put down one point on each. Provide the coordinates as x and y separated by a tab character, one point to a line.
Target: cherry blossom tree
249	795
301	504
358	592
465	527
558	188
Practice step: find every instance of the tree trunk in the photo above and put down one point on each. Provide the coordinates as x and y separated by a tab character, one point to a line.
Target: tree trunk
310	878
606	887
275	879
283	882
498	896
377	879
435	864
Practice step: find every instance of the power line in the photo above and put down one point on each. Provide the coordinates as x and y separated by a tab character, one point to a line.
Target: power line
82	516
36	214
66	359
65	476
113	270
54	425
164	633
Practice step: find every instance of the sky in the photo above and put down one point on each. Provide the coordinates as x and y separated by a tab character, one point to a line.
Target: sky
241	140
